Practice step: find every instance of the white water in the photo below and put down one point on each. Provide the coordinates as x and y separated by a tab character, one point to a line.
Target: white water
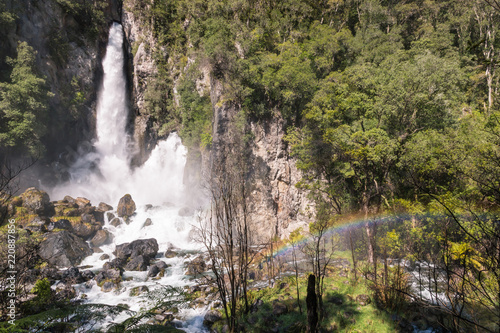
105	175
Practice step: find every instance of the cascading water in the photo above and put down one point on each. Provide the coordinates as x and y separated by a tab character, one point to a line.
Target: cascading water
105	175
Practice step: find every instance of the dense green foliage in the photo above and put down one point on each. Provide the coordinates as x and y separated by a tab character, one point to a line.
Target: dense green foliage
391	107
23	104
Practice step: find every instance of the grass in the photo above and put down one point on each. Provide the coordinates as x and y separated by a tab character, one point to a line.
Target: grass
349	316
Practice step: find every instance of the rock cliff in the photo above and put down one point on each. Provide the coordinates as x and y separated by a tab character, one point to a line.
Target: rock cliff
69	38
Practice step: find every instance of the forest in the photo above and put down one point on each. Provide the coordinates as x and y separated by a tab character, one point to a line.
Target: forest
391	110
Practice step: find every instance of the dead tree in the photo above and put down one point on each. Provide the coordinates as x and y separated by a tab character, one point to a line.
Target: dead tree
226	231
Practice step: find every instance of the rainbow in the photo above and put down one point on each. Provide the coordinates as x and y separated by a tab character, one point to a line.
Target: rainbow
346	223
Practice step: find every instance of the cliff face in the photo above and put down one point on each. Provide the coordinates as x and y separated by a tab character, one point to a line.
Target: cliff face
276	206
142	69
69	38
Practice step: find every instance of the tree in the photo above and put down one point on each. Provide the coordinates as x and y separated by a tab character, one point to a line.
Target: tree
226	231
23	105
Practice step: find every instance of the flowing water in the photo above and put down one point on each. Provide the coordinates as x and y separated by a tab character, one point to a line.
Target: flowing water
105	175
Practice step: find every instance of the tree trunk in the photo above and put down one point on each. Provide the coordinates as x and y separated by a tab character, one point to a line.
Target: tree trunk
312	305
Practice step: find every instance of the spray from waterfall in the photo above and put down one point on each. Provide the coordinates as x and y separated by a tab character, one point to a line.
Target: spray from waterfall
105	175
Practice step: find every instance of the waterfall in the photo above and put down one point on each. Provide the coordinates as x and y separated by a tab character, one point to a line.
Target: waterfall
105	175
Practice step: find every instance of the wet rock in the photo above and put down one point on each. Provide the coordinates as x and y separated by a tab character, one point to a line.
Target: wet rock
170	253
145	247
64	249
104	257
115	222
67	210
117	263
148	222
98	216
104	207
196	266
157	268
66	293
126	206
108	286
363	299
60	224
186	211
102	237
82	202
38	224
72	276
279	309
113	275
37	202
87	275
211	317
138	263
84	227
153	271
110	216
52	274
136	291
70	200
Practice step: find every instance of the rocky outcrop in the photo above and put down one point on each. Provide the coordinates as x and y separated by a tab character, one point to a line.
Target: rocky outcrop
140	46
36	201
126	206
275	205
137	254
64	249
145	247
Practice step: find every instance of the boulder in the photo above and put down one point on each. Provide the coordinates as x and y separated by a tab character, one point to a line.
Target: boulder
117	263
110	216
196	266
153	271
87	275
104	207
37	202
101	237
115	222
82	202
211	317
126	206
138	263
64	249
157	268
108	286
279	309
148	222
104	257
84	227
171	252
145	247
113	275
99	216
69	200
72	276
38	224
60	224
136	291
